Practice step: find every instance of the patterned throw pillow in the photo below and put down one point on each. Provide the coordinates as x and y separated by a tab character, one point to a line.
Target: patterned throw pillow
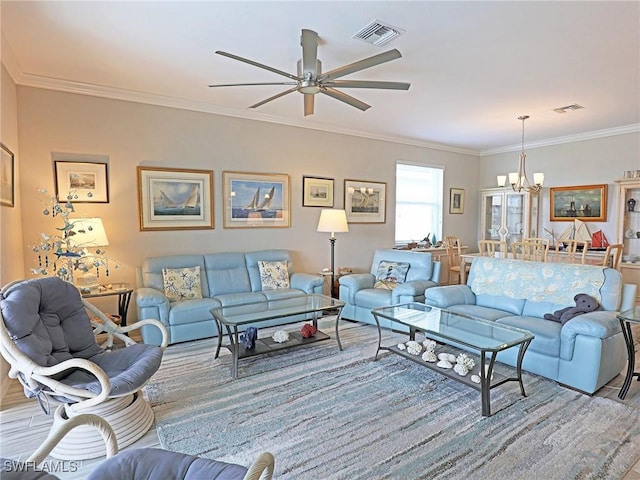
390	274
274	275
181	283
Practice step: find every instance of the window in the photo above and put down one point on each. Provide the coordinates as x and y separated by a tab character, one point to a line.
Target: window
418	202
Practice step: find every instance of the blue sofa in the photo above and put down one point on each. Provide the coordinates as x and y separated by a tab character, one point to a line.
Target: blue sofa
359	295
586	352
225	279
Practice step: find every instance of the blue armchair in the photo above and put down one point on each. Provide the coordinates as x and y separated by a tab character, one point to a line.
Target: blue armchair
360	294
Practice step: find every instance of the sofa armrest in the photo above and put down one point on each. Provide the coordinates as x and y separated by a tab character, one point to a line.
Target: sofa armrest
354	283
151	300
443	297
600	324
306	282
414	288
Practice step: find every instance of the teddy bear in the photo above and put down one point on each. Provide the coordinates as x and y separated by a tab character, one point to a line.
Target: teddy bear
584	304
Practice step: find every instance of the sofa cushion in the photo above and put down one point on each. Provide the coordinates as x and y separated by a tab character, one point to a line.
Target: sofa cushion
390	274
477	311
227	273
547	334
252	259
273	275
283	293
181	283
190	311
151	270
239	298
373	297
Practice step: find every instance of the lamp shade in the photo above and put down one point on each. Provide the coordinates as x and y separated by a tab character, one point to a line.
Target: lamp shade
89	232
333	220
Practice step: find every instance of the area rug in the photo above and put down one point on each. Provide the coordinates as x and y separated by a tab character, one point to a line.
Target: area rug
327	414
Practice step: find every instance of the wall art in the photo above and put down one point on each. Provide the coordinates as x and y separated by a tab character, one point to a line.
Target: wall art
255	200
317	192
81	182
365	202
175	199
586	203
7	177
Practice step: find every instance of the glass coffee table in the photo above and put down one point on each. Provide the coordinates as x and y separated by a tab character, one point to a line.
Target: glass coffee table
627	319
459	331
234	318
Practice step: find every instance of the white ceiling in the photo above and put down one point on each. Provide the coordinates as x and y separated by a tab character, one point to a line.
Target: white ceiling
474	67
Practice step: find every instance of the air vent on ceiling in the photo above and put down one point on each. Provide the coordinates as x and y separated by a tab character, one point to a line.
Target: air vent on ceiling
378	33
574	106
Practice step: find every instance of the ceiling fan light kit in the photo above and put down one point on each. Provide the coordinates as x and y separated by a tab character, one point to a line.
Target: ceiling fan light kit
310	80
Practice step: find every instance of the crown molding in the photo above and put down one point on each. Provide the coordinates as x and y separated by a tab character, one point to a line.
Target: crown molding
29	80
579	137
48	83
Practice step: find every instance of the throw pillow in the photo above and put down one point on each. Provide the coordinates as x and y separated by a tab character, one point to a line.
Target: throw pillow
273	275
390	274
181	283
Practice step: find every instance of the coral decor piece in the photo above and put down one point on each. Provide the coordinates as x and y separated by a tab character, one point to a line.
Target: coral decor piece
461	369
429	356
280	336
308	330
60	254
414	348
475	378
448	357
429	345
401	346
465	360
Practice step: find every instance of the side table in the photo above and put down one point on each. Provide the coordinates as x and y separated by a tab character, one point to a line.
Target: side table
122	290
627	319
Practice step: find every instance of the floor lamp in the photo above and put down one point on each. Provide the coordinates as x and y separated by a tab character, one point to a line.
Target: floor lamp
333	221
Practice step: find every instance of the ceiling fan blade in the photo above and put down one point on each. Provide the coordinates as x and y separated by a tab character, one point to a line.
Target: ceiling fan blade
308	104
256	64
343	97
252	84
362	64
309	42
281	94
367	84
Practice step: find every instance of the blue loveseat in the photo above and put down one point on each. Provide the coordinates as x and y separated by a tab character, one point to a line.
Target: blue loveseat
586	352
359	294
225	279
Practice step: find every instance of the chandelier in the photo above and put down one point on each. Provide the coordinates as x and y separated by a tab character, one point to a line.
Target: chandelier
519	180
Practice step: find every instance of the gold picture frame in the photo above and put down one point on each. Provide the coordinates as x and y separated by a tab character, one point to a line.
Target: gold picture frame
585	202
175	199
256	200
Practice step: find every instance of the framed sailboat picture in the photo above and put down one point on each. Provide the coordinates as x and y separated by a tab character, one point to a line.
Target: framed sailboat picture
175	199
255	200
586	203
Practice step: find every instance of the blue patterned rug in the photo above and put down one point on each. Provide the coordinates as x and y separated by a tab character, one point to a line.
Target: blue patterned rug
333	415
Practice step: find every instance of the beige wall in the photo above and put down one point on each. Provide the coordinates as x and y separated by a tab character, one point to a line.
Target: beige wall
588	162
132	134
11	243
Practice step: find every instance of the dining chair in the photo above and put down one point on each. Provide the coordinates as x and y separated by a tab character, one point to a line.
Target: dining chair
612	255
454	257
534	251
576	251
492	248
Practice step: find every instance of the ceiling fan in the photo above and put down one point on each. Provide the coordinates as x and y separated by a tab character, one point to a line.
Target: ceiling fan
310	79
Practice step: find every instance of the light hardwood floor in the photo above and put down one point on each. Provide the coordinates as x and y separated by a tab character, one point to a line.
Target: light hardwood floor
23	427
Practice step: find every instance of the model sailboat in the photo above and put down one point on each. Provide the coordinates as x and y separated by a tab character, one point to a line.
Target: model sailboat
577	231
